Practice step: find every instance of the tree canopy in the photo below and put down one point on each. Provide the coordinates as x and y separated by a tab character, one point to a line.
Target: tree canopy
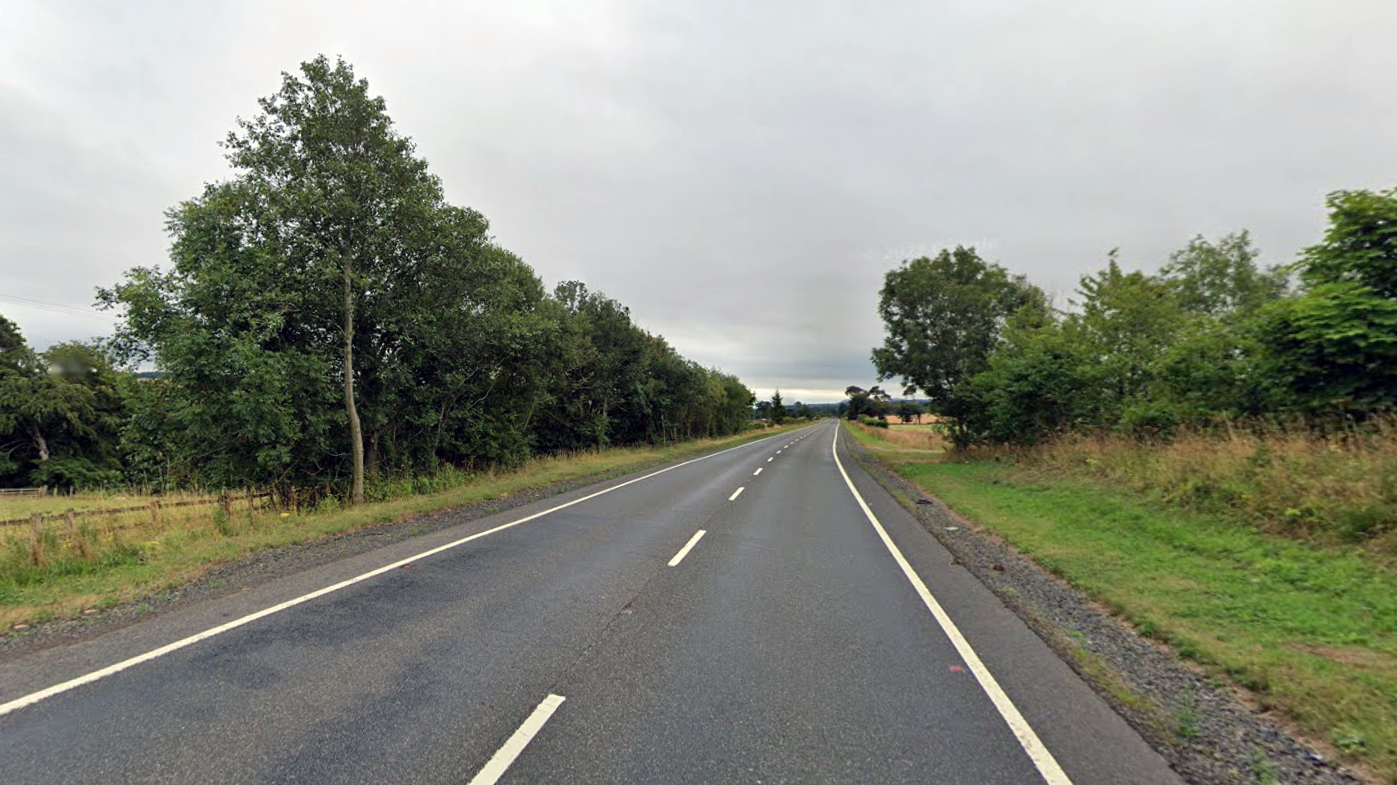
327	318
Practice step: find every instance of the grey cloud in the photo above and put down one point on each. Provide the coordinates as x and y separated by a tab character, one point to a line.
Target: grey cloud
739	174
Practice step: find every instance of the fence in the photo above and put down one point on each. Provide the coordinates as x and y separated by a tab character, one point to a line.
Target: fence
68	516
40	491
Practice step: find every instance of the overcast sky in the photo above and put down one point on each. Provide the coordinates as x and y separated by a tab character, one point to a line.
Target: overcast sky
740	174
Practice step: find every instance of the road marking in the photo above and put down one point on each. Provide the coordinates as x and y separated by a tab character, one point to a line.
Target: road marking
735	494
772	458
778	452
496	766
688	546
35	697
1045	762
755	473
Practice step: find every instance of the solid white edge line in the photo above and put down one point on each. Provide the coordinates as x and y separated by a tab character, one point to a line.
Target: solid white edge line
688	546
735	494
1043	759
495	768
758	471
88	678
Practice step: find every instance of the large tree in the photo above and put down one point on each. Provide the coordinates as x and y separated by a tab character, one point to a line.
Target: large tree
60	414
1334	347
943	316
313	265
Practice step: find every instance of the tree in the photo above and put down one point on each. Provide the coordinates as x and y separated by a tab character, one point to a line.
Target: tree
1127	321
306	270
778	410
1334	347
1037	385
1360	245
943	316
1222	279
343	191
60	412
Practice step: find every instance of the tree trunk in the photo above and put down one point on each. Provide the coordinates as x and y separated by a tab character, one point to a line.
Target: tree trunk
40	443
356	435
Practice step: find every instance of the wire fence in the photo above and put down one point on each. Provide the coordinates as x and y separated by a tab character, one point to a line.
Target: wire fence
155	507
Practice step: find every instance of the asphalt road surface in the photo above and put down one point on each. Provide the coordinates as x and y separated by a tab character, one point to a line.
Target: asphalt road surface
812	633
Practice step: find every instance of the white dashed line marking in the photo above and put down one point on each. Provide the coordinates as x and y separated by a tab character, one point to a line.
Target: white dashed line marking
497	765
688	546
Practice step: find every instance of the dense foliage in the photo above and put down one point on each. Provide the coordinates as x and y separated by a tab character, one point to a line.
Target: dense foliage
327	309
1210	337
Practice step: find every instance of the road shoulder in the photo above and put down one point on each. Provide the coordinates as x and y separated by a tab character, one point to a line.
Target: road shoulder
1204	729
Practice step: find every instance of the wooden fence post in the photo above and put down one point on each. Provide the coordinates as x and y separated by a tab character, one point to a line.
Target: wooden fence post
155	513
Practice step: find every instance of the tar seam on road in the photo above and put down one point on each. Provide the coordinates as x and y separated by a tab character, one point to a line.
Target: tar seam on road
736	494
688	546
35	697
497	765
1043	759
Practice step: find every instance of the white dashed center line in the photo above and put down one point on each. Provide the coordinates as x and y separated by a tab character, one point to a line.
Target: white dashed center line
497	765
688	546
735	494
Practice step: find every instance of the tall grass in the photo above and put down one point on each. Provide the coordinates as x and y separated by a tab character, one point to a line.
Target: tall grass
912	437
1337	487
60	568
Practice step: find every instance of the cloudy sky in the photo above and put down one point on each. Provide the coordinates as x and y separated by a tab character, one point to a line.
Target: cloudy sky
740	174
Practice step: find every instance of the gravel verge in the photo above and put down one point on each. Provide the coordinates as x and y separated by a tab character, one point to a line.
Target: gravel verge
1202	726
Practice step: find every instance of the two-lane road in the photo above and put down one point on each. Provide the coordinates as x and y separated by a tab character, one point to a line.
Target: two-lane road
739	618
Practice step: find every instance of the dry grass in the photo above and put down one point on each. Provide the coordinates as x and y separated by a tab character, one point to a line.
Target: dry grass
1340	488
17	507
61	569
911	437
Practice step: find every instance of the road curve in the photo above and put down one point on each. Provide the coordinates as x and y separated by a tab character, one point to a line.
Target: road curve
739	618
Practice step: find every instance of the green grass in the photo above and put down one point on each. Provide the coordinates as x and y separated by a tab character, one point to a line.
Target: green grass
126	564
1311	630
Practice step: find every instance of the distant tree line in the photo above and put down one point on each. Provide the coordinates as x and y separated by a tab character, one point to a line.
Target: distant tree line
1210	337
328	317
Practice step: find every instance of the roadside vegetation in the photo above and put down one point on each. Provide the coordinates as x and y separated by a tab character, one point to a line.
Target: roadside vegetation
328	323
62	570
1208	448
1303	621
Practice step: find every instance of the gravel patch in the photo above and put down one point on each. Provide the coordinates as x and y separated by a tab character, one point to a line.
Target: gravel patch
1200	725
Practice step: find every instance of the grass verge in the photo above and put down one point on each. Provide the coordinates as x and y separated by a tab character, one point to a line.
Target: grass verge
97	568
1310	630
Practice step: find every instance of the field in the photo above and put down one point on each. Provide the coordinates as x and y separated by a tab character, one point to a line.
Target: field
1296	614
62	569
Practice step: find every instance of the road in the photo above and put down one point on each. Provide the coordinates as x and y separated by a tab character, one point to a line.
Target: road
603	642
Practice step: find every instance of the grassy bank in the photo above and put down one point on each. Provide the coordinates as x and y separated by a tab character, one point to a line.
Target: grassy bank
62	570
1333	490
1310	628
